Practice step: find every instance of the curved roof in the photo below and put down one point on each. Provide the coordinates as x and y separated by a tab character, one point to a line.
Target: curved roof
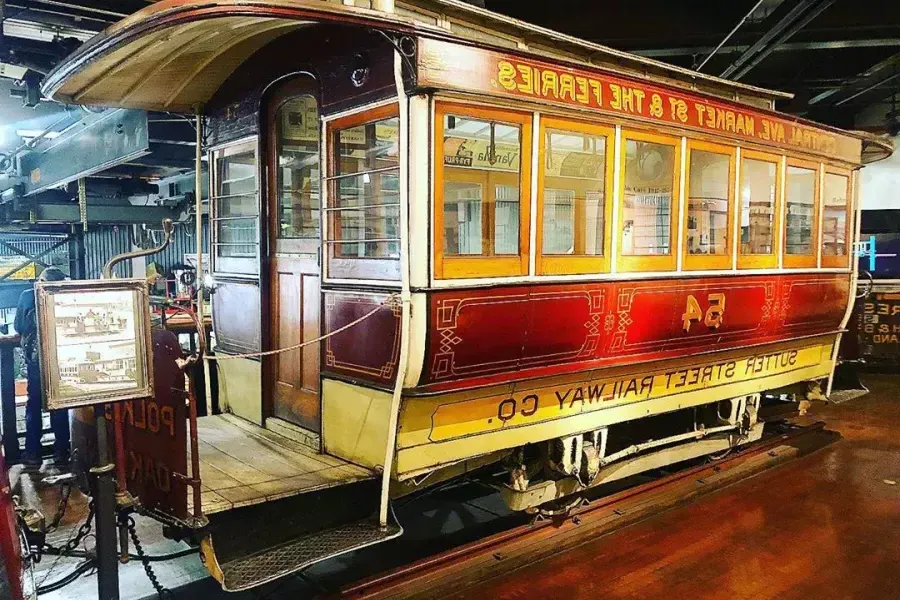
174	54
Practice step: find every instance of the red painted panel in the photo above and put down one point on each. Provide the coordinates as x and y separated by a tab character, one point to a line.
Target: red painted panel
575	309
484	336
369	350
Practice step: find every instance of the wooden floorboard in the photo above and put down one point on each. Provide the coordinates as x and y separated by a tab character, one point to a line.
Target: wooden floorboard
243	464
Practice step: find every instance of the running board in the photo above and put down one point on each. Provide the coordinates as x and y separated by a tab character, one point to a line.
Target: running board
258	544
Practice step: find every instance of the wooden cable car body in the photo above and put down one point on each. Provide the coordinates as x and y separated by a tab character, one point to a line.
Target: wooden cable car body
564	259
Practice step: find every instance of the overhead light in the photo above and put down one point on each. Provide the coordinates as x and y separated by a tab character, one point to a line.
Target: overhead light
33	133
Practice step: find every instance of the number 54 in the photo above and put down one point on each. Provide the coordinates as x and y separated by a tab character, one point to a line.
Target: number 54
714	313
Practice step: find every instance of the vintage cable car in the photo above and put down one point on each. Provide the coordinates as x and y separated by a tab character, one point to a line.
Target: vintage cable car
520	250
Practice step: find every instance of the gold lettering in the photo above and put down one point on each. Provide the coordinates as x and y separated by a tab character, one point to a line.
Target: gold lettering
506	75
729	121
656	106
639	98
526	85
581	95
616	102
566	86
597	91
549	84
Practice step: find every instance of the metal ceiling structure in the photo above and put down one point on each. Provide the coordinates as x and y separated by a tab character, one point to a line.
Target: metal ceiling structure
840	59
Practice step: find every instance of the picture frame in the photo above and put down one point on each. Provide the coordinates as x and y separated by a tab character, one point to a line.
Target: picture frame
94	339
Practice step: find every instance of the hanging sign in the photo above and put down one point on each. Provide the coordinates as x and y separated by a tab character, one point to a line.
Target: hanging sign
447	65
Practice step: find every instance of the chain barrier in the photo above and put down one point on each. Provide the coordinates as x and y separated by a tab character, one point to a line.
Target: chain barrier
74	542
161	590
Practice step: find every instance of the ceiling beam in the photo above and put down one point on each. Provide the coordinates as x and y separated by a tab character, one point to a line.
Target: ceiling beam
782	37
788	47
869	80
792	15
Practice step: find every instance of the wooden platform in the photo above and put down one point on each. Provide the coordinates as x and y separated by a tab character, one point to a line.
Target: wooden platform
242	464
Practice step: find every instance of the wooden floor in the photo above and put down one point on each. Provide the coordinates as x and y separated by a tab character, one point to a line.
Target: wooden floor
825	527
242	464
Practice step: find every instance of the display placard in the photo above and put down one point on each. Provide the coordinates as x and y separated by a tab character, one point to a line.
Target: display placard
94	341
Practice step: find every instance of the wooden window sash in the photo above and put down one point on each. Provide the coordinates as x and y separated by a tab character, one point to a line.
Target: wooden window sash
655	263
466	267
704	262
552	264
764	261
805	261
841	260
372	267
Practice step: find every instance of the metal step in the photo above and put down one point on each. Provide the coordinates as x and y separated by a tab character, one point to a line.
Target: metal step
253	545
305	551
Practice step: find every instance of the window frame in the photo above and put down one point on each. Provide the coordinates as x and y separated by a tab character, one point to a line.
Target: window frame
472	266
842	260
234	266
355	268
300	244
653	263
763	261
554	264
709	262
803	261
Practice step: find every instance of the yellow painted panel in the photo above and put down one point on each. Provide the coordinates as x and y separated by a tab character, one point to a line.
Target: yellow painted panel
240	388
355	422
436	431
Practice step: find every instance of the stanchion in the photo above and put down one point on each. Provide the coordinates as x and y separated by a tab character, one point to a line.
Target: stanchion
103	489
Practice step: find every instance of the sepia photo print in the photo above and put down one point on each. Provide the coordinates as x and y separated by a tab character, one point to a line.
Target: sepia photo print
94	341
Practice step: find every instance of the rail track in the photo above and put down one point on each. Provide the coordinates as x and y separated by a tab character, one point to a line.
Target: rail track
462	568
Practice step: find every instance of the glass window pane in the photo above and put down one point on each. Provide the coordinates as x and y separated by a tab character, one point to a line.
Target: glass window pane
800	196
236	212
364	197
574	193
367	189
834	219
647	214
298	168
236	237
757	206
237	174
236	178
368	147
707	224
378	226
481	187
462	217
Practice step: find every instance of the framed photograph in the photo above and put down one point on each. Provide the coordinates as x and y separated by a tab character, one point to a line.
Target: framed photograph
94	339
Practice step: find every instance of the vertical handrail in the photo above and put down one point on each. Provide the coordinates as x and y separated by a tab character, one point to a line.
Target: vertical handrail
396	397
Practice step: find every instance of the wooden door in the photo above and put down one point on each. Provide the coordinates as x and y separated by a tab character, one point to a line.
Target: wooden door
295	242
295	319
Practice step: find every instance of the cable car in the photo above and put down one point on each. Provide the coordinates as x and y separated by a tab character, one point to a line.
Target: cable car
444	241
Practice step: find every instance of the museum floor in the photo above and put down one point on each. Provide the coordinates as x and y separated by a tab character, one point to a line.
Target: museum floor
823	526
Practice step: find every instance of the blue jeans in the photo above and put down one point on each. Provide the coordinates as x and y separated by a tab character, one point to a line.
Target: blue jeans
59	419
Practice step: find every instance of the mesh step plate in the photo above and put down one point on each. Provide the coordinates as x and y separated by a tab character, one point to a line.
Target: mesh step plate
841	396
302	552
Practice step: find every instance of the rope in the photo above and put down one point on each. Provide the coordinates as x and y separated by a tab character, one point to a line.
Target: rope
386	302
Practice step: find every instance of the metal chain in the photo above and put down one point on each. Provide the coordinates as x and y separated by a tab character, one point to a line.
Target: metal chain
61	507
83	532
161	590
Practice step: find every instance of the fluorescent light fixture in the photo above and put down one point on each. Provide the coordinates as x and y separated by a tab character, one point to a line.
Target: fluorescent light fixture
12	71
33	133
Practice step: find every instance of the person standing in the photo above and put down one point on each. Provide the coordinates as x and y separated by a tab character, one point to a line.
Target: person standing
26	324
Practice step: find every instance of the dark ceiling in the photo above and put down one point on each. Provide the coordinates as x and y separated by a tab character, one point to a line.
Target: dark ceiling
841	58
